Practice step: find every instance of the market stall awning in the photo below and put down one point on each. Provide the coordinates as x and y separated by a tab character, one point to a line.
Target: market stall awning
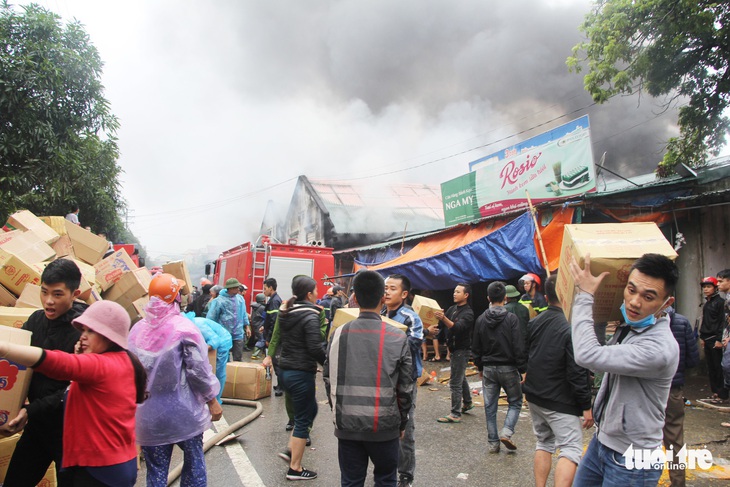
503	250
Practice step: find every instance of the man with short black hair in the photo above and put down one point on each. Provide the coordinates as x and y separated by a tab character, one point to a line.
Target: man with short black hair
711	331
499	354
397	288
639	362
559	392
42	419
371	409
459	322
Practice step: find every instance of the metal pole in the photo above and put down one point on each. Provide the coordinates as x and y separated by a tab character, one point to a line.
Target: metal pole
539	236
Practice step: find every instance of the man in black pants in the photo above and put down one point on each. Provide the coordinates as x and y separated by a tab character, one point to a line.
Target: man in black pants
713	323
459	321
42	419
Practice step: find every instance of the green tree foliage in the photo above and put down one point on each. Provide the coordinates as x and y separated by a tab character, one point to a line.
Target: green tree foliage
679	49
57	144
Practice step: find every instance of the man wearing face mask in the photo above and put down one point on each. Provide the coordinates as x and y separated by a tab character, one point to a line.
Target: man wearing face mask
639	363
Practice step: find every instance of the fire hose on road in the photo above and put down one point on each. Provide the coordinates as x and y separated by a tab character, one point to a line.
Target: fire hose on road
175	472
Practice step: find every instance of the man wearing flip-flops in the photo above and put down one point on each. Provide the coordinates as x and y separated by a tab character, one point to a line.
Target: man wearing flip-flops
459	322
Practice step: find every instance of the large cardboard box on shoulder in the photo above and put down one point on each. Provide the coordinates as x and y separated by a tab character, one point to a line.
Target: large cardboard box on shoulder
246	381
87	246
130	287
178	269
346	315
15	272
425	309
110	269
14	317
30	297
613	247
25	220
14	378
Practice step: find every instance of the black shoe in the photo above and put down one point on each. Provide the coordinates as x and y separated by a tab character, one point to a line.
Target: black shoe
309	441
303	475
285	455
278	391
290	425
247	349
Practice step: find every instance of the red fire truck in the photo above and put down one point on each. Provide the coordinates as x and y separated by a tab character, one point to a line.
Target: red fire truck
251	264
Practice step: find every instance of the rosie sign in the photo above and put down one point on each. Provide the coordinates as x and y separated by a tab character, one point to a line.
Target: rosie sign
556	164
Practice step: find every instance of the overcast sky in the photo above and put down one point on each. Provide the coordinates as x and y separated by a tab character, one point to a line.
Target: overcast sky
224	103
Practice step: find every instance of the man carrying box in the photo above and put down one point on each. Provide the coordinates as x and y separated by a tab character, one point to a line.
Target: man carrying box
42	420
371	409
639	363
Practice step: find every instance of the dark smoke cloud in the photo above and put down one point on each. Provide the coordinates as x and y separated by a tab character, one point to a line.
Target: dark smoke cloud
505	60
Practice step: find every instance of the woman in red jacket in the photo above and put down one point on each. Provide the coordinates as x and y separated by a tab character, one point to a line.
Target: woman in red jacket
107	384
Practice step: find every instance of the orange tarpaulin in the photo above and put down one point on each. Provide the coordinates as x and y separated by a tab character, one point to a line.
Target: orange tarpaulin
443	242
625	216
552	236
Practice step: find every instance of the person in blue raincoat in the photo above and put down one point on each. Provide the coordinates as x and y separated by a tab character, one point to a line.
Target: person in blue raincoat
229	309
219	340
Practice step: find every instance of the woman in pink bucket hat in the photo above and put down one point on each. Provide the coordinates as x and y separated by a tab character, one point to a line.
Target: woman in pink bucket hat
108	382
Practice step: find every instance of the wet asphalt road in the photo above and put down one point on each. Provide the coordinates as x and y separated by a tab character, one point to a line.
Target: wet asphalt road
447	454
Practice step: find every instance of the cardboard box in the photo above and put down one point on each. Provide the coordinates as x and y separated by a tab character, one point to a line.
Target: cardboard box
30	297
93	297
14	378
87	246
130	287
110	269
613	247
28	246
6	297
49	479
6	236
179	269
15	272
246	381
57	223
7	447
425	309
25	220
14	317
64	247
346	315
136	310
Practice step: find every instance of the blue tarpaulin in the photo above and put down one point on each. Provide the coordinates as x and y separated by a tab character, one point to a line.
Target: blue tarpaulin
507	253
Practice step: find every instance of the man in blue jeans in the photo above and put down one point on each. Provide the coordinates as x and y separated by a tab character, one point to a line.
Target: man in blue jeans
639	363
459	321
499	354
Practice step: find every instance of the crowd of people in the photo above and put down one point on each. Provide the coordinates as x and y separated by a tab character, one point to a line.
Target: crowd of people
152	385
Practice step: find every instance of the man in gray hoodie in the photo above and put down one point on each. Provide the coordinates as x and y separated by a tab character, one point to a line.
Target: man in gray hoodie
639	363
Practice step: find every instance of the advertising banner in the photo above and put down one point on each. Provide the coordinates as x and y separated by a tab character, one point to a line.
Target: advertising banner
554	165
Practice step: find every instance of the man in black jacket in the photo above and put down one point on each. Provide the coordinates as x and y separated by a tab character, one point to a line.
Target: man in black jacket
459	322
42	419
713	323
558	390
499	354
